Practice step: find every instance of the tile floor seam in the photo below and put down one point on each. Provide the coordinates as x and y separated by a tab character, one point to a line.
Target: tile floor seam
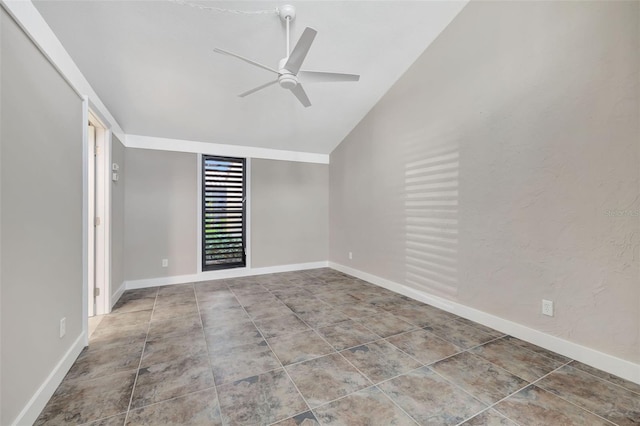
308	410
354	346
373	386
601	378
358	370
422	364
102	418
551	393
459	387
571	402
503	368
524	387
493	339
182	395
497	366
377	334
135	381
293	364
488	409
316	330
326	341
281	364
534	352
397	405
215	385
462	350
399	375
222	418
342	397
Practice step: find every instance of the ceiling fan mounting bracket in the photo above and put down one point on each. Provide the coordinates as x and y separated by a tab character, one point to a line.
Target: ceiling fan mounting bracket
287	12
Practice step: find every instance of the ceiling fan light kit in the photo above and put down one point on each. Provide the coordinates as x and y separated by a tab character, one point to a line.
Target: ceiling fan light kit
289	67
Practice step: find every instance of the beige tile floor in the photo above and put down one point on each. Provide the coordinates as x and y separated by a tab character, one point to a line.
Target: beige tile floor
320	347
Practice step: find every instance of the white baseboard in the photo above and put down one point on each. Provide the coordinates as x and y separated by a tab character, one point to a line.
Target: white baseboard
116	296
609	363
216	275
31	411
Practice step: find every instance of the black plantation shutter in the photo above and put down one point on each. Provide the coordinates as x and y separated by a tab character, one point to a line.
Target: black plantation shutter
223	212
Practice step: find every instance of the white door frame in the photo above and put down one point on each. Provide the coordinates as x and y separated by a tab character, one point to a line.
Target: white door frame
99	207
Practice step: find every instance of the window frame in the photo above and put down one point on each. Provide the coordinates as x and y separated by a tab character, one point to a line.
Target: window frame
202	234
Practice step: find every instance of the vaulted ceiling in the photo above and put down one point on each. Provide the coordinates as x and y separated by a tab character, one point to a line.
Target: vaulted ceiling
152	64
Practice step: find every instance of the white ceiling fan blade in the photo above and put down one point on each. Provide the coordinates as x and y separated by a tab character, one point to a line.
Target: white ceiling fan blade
242	58
255	89
320	76
299	52
299	92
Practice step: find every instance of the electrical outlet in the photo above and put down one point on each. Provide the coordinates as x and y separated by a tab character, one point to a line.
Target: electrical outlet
165	263
350	255
63	327
547	307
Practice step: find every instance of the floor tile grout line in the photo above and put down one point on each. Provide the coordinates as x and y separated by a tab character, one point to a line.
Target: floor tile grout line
290	417
135	381
503	369
90	422
537	353
293	364
313	410
376	385
602	378
356	368
397	405
486	410
563	398
168	399
284	368
534	383
460	388
276	356
404	352
206	344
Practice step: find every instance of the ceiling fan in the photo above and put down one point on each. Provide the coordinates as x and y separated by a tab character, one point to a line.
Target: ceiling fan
289	67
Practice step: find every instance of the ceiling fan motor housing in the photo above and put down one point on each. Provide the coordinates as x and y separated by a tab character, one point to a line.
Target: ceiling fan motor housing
287	81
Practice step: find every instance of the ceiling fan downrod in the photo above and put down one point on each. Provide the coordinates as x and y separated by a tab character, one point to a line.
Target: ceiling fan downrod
287	13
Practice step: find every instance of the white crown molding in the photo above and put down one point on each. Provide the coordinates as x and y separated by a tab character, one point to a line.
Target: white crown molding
33	24
179	145
609	363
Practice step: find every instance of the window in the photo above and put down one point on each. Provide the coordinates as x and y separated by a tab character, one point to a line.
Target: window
223	212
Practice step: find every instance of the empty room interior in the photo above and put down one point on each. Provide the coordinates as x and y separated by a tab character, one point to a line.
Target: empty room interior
319	212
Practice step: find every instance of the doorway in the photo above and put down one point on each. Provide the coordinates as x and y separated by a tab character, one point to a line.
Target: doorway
98	161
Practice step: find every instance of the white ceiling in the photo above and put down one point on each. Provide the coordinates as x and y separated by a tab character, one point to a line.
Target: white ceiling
153	66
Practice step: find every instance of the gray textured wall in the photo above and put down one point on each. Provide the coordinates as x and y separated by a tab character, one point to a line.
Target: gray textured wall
41	223
490	172
289	212
160	213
